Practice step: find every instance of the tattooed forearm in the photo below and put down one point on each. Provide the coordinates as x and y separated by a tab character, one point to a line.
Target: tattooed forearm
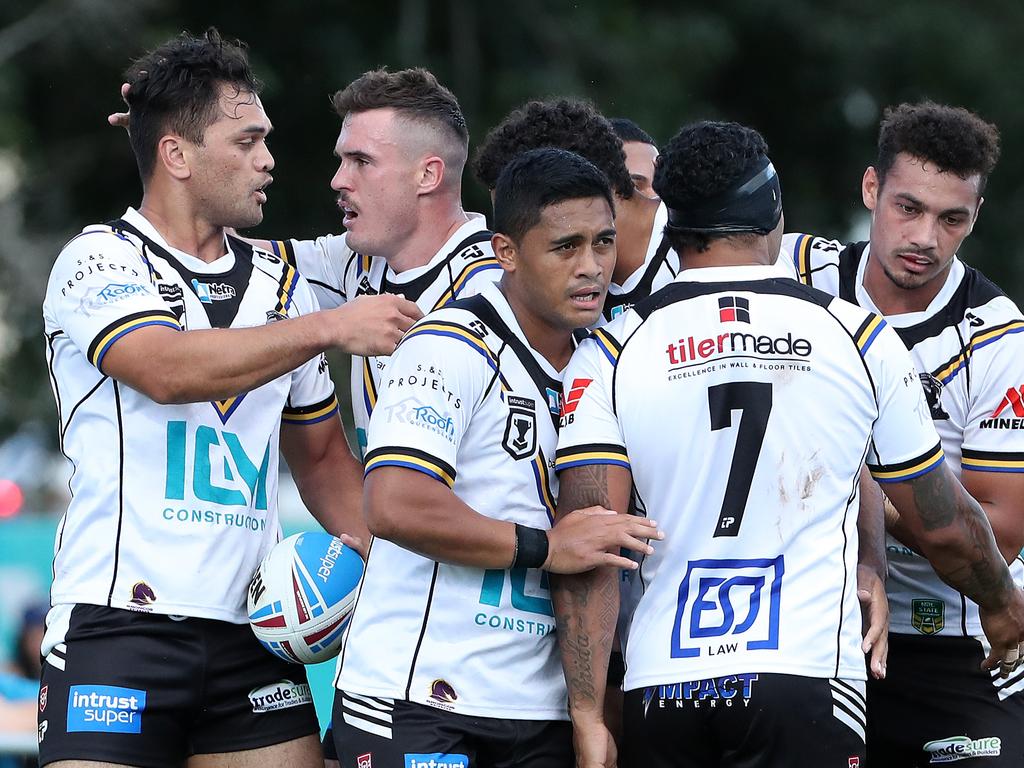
581	487
934	494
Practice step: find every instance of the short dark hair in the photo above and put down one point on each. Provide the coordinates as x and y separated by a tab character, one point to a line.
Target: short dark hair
702	161
627	130
954	139
176	87
414	92
537	178
567	124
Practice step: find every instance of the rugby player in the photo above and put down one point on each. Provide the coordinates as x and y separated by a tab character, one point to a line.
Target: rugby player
924	192
641	154
178	358
744	648
451	657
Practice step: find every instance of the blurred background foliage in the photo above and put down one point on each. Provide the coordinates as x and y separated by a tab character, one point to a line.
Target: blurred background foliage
812	77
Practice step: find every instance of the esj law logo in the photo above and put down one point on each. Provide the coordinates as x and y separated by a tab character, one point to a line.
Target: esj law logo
105	708
279	695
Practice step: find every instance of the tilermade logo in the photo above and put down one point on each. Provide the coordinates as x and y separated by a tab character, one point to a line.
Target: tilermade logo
733	309
105	708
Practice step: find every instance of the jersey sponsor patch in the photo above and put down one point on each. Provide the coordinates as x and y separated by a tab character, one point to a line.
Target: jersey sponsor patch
435	760
733	309
105	709
957	748
280	695
1009	414
520	439
928	616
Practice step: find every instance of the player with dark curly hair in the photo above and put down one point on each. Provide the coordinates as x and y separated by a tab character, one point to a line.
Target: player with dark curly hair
641	154
644	260
924	193
745	647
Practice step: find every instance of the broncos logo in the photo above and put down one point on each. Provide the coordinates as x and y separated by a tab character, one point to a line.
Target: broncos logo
441	690
142	594
932	390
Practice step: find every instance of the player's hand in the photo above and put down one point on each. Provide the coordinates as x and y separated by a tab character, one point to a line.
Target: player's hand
594	745
874	608
1005	631
357	543
372	325
592	537
121	119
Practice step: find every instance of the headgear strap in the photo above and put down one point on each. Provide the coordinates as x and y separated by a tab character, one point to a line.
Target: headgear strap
753	205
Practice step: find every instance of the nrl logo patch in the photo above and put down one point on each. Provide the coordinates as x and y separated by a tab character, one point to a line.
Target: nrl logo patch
928	616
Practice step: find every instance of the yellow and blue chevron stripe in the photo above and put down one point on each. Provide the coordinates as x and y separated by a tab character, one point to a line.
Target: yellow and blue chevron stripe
867	333
992	461
908	470
608	345
283	250
592	453
311	414
468	272
125	325
946	373
409	458
802	258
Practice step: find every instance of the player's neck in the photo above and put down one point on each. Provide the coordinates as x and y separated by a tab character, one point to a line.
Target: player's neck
181	228
634	220
891	299
553	343
729	253
436	225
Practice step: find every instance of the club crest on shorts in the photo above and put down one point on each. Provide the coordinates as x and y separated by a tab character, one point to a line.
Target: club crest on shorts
520	439
364	760
928	616
42	697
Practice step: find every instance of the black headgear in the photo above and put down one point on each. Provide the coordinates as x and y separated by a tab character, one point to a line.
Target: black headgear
752	205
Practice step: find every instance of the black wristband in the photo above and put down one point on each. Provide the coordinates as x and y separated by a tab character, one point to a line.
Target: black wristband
531	547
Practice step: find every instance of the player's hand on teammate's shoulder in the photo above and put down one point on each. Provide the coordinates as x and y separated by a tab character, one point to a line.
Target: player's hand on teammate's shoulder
874	606
1004	629
592	537
372	325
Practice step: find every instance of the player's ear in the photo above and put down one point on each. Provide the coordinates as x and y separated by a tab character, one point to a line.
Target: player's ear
974	218
869	187
431	175
172	154
504	251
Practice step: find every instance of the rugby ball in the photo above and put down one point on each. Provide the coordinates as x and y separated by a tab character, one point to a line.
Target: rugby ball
302	595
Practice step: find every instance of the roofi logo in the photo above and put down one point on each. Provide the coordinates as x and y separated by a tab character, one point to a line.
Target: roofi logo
958	748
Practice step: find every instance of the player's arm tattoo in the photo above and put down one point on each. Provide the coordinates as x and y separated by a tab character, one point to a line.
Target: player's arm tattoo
586	604
957	539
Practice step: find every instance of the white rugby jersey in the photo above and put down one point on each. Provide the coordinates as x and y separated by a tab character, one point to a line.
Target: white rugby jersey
660	267
463	265
969	350
744	405
173	506
467	402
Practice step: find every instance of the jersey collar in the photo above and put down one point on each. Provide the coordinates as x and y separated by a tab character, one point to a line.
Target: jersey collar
735	274
192	263
477	223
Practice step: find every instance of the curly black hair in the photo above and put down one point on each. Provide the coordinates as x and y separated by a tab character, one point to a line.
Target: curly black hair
703	160
415	91
567	124
952	138
627	130
176	87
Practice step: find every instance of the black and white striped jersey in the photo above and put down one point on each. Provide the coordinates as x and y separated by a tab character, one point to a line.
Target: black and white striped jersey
460	268
968	347
173	506
744	404
467	402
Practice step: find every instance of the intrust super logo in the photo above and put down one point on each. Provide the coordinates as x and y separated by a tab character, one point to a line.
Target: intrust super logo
105	709
733	309
1000	418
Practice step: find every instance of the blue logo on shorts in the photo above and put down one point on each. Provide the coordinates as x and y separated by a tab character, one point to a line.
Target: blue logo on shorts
436	760
105	709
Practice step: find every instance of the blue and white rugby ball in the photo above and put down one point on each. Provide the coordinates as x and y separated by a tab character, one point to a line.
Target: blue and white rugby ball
302	595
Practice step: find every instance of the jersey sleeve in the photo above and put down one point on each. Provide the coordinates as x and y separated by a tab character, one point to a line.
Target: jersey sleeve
100	290
321	262
904	444
311	398
812	260
590	432
433	382
994	429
